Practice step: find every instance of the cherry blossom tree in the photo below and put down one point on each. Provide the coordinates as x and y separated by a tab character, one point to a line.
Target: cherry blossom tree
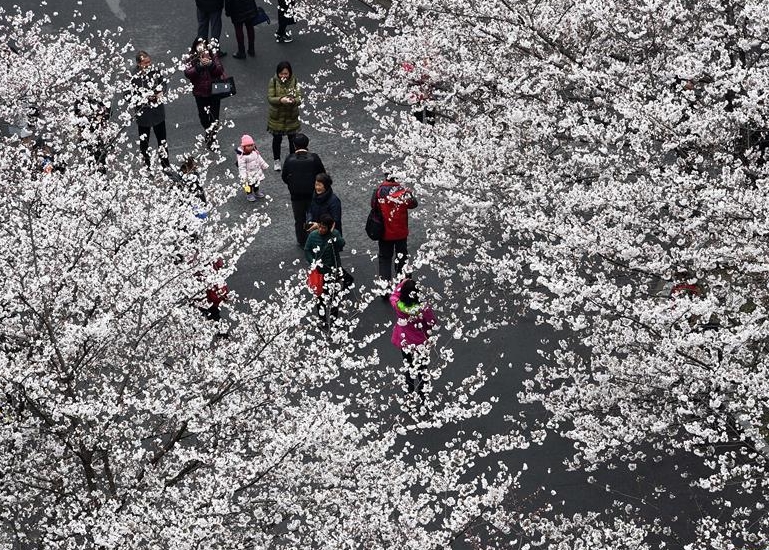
129	420
602	166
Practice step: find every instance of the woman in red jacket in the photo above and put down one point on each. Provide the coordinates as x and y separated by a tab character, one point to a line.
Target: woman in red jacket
202	68
393	201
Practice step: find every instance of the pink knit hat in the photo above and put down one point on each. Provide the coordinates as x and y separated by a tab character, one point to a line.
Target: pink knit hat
246	140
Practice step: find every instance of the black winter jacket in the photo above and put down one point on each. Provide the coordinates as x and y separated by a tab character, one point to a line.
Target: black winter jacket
326	203
299	171
209	6
240	11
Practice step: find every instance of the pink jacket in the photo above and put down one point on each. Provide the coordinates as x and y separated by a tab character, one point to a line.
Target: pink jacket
410	328
250	166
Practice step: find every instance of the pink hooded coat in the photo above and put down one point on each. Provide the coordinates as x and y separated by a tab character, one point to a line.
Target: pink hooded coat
410	329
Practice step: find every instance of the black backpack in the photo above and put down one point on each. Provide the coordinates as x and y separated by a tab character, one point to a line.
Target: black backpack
374	222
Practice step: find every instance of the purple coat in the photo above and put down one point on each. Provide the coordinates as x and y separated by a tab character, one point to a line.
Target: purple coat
202	76
410	329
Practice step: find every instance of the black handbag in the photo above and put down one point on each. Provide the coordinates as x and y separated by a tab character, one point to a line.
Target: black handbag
223	87
260	17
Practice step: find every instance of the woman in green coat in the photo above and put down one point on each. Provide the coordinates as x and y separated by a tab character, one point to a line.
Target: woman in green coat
284	98
322	253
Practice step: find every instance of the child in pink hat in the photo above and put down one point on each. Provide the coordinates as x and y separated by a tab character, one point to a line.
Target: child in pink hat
251	167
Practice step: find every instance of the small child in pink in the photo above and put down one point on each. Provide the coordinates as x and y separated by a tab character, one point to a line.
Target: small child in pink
251	167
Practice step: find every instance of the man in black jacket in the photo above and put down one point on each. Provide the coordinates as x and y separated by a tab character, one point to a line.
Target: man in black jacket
210	14
299	171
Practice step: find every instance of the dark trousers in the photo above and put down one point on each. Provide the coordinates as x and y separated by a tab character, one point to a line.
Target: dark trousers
212	19
337	287
327	308
239	35
160	136
211	312
327	304
425	116
415	383
208	112
388	250
277	140
283	22
300	208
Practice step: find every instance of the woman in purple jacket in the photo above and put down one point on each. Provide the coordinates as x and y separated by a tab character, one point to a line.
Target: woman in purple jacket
202	68
413	324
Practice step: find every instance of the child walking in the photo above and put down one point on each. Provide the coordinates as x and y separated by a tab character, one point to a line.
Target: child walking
251	167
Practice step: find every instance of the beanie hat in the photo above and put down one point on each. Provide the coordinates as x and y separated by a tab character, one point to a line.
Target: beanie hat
246	140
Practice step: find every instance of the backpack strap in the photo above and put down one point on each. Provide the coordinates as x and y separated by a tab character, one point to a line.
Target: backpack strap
375	198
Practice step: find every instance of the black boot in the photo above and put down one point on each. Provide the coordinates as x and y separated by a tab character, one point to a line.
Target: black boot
240	54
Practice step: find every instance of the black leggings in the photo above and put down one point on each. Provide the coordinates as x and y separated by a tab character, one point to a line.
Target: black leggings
160	136
208	112
277	140
283	22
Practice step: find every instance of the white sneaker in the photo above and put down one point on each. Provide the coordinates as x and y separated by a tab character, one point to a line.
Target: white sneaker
276	166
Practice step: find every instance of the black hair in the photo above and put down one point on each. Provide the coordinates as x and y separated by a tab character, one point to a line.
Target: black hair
409	293
301	141
325	179
189	165
141	54
194	47
285	65
326	221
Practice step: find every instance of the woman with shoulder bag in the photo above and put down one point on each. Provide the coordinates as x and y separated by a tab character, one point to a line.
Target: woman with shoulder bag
202	68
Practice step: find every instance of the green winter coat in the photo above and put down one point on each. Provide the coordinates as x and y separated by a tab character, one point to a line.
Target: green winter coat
283	117
324	249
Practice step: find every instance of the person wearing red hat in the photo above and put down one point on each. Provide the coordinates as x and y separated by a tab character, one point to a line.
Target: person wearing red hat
251	168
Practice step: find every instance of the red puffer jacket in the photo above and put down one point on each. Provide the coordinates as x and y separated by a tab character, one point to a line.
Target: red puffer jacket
394	202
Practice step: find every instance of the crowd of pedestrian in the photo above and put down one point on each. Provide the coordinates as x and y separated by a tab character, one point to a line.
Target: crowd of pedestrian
316	209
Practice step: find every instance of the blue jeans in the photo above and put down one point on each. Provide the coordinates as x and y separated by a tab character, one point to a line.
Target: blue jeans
212	18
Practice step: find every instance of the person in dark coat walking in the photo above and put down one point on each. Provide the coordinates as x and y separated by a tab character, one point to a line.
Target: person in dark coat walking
299	171
393	201
324	202
210	15
148	86
242	13
202	68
